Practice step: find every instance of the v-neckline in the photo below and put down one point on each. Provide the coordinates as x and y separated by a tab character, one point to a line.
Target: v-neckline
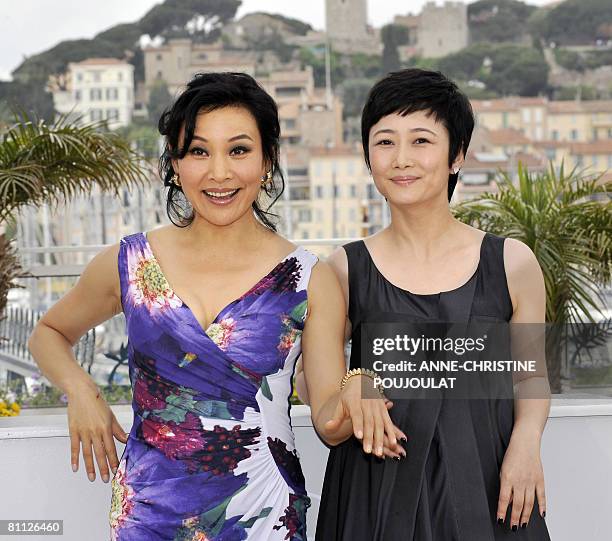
229	304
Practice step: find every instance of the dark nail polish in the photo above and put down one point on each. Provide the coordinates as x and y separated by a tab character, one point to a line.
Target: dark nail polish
543	514
524	525
514	528
404	439
396	458
500	520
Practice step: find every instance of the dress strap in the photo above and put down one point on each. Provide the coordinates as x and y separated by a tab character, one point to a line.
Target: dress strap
358	278
128	247
494	280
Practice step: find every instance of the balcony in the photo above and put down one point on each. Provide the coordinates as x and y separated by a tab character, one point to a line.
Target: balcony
576	446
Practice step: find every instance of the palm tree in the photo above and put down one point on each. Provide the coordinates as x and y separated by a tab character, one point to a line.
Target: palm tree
565	218
44	163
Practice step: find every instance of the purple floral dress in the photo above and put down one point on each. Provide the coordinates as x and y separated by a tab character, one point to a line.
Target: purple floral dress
211	453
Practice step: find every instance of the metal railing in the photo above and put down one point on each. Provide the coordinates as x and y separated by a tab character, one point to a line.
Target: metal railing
16	326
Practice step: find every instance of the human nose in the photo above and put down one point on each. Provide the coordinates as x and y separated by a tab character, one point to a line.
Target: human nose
219	169
403	157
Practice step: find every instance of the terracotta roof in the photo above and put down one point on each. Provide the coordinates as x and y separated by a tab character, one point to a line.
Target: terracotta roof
508	136
472	163
336	151
573	106
99	62
603	146
507	104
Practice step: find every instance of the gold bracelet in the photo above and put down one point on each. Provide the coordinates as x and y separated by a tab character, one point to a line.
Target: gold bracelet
360	372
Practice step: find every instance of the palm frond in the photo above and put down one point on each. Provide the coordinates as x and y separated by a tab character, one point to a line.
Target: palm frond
52	163
565	217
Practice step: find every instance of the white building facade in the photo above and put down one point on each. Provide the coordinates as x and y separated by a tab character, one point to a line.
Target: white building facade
96	89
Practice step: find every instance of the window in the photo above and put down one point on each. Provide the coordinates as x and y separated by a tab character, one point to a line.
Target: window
551	154
352	215
97	76
538	115
319	192
119	76
350	168
595	161
95	115
336	191
574	135
112	114
95	94
579	160
304	234
526	115
304	215
505	119
158	57
288	91
555	135
371	191
112	94
353	190
79	77
289	123
77	95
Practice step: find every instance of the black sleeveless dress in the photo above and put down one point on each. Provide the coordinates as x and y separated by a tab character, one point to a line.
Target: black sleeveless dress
447	487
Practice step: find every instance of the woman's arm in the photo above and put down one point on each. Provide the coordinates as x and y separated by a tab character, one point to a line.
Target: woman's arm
522	476
338	414
94	299
339	264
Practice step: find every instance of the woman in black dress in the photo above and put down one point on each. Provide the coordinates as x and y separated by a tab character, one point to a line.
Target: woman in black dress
472	469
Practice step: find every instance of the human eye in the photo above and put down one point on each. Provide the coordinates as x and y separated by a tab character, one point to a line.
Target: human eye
421	140
240	150
385	142
197	151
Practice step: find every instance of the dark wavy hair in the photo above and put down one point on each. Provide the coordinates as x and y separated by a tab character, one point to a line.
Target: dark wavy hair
411	90
204	93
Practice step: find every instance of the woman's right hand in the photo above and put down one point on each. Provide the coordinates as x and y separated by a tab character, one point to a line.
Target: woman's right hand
93	425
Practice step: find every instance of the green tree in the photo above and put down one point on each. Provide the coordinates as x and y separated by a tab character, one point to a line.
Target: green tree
518	70
159	100
44	163
570	60
144	136
575	22
498	20
393	35
354	93
566	220
171	16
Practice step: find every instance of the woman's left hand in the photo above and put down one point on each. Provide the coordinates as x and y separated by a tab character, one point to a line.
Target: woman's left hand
522	479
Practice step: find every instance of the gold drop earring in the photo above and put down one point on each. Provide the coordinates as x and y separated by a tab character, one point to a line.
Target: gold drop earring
175	180
267	179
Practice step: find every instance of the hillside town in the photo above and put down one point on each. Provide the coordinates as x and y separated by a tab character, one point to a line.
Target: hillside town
318	79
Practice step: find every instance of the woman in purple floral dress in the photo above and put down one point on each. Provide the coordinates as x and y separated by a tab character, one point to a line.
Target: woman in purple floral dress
214	335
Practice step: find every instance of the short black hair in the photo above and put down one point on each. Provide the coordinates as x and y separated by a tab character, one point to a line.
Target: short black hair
411	90
207	92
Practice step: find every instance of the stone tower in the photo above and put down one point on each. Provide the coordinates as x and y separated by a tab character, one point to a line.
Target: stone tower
346	24
443	29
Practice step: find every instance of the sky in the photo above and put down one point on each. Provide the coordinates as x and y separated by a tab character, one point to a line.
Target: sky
31	26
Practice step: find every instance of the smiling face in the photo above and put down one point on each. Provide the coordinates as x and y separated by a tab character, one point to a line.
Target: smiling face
409	158
222	170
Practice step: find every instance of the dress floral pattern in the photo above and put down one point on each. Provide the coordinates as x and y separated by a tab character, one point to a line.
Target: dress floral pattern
211	454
